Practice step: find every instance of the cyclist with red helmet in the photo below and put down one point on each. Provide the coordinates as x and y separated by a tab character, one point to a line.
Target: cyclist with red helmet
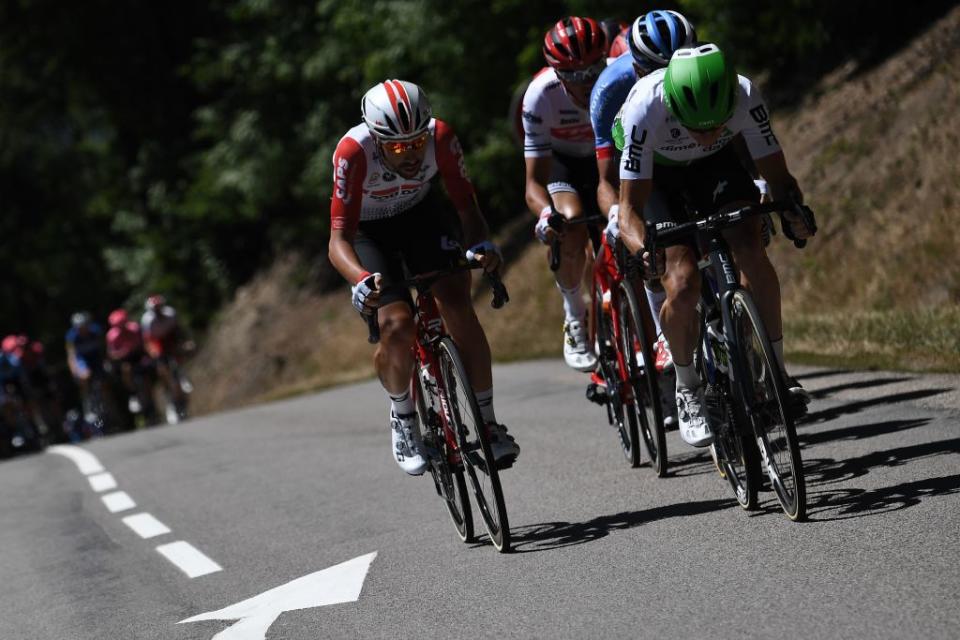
561	173
385	218
129	359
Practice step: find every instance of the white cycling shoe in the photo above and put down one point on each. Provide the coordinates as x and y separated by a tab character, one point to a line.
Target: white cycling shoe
576	348
694	428
406	446
502	445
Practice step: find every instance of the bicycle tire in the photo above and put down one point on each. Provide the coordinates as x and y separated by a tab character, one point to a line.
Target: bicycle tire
623	414
736	456
646	388
447	477
464	412
765	398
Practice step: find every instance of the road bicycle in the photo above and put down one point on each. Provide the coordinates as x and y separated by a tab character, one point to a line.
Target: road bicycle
746	398
454	432
623	335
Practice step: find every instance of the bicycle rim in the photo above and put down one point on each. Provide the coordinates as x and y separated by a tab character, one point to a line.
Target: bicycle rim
646	390
464	413
736	456
447	477
767	402
622	413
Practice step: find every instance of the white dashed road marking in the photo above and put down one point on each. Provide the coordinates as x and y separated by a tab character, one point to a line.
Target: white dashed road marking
146	526
118	501
102	482
188	559
182	554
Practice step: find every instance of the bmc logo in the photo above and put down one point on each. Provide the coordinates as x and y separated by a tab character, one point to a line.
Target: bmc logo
635	150
341	180
760	116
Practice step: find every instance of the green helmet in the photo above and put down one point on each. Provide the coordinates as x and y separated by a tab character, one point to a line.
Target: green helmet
700	87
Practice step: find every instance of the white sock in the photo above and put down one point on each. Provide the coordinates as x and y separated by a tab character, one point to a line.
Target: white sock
687	376
573	306
402	404
778	352
656	300
485	400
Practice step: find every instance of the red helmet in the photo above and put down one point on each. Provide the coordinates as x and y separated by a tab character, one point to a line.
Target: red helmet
9	344
574	43
117	317
154	301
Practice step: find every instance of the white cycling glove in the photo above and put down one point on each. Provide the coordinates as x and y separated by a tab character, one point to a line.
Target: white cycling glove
612	230
762	186
481	248
362	290
542	225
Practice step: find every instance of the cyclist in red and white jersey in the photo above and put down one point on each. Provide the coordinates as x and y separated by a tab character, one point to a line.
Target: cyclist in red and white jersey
561	173
386	218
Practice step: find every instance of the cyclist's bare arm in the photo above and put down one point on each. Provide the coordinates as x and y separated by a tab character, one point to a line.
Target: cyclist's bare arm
782	184
633	197
609	184
342	255
475	231
538	175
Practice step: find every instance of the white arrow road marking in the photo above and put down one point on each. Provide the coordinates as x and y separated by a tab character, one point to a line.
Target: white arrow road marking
338	584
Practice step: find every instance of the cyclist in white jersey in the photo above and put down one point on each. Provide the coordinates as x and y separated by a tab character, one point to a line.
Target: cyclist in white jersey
677	124
386	220
560	170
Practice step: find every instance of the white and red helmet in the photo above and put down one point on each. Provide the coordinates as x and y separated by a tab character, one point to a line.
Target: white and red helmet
396	110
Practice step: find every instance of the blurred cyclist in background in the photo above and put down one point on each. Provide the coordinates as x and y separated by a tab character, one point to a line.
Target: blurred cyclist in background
84	346
166	342
130	362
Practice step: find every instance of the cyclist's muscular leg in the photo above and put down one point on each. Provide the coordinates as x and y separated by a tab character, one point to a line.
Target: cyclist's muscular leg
393	359
757	273
453	299
573	245
678	317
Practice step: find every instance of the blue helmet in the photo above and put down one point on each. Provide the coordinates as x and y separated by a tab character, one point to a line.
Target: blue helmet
654	37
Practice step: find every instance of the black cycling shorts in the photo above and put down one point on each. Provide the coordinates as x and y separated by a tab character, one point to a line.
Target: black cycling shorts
577	175
701	188
422	239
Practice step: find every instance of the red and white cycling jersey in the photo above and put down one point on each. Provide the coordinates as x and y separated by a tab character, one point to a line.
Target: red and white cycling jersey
552	121
365	189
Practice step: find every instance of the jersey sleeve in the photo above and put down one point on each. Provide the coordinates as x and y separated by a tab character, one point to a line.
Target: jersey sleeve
754	121
605	101
349	171
452	168
536	131
639	133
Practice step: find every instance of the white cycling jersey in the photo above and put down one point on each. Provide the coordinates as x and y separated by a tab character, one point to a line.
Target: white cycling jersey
364	188
653	134
552	121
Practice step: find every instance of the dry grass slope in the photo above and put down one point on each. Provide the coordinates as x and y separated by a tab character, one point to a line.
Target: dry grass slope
880	285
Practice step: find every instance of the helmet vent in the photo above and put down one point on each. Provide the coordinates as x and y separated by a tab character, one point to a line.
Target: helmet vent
691	99
714	93
404	116
391	124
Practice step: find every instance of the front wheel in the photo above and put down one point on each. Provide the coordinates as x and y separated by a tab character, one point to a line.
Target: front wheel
463	415
445	467
765	401
637	346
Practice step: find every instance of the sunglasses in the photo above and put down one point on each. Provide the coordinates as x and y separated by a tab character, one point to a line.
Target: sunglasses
397	147
581	76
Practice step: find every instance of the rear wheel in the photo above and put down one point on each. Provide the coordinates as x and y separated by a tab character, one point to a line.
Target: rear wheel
445	467
765	402
623	414
463	414
635	341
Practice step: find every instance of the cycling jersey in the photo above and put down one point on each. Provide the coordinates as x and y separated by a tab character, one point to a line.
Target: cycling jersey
552	121
88	347
607	97
159	323
652	134
124	341
365	189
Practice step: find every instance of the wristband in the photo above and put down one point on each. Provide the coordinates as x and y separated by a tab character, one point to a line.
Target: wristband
363	276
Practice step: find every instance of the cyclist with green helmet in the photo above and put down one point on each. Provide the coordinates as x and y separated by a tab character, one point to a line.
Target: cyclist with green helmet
677	126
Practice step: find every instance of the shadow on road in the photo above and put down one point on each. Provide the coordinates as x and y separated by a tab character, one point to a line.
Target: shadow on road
860	431
555	535
853	502
821	374
859	384
860	405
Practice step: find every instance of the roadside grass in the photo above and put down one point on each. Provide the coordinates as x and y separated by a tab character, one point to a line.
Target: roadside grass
900	340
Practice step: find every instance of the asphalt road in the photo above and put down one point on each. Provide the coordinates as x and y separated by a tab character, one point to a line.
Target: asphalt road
278	492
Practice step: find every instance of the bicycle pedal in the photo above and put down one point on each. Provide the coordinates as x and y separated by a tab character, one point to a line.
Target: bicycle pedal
597	394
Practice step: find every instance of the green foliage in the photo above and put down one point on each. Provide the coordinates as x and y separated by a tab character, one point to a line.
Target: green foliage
180	146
